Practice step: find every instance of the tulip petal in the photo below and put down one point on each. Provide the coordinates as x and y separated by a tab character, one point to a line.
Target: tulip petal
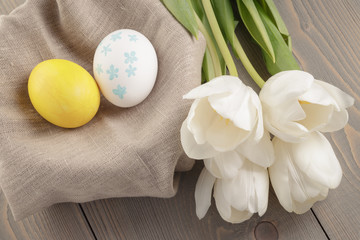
290	111
224	164
226	211
279	175
203	190
224	136
218	85
261	181
318	95
303	188
316	158
281	108
303	172
295	104
343	99
338	121
317	116
238	106
190	146
286	131
259	131
239	216
248	191
235	107
295	191
260	153
212	166
200	118
285	86
224	113
281	120
207	125
222	205
300	208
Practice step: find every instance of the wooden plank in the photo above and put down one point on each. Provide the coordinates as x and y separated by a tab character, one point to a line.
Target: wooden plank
150	218
61	221
154	218
326	42
322	50
324	46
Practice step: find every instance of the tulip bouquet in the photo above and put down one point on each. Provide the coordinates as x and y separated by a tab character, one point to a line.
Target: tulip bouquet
244	138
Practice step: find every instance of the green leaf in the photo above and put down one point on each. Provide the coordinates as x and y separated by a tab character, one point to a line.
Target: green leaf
271	11
253	22
283	55
198	8
184	13
277	18
207	67
225	17
289	42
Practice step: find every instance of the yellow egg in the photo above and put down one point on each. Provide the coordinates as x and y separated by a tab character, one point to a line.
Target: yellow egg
63	93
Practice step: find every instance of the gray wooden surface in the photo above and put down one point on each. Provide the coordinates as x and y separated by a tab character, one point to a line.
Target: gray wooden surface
326	43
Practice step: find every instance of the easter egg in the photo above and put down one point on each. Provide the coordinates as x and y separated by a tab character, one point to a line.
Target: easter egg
63	93
125	67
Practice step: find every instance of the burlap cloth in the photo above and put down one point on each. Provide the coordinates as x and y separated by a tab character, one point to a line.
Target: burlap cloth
121	152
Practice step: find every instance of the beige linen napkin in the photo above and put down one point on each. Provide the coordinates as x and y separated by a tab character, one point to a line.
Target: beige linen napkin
121	152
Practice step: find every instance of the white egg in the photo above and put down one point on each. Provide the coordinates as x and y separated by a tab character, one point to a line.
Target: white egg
125	67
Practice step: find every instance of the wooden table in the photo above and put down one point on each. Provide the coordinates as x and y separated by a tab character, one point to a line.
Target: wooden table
326	43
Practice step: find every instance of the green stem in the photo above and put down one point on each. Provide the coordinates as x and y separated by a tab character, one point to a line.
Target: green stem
219	37
247	64
211	47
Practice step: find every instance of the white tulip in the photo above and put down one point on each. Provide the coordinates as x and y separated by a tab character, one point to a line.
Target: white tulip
226	164
226	116
238	198
303	172
295	104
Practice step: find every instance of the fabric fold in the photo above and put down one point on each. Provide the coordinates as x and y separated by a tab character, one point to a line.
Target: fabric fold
121	152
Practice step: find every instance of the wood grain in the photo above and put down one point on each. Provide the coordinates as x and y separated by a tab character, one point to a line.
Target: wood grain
153	218
326	42
60	222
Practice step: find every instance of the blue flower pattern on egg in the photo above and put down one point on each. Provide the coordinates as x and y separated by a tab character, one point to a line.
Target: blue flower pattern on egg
130	57
99	69
106	49
116	36
120	91
112	71
131	71
123	62
133	38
